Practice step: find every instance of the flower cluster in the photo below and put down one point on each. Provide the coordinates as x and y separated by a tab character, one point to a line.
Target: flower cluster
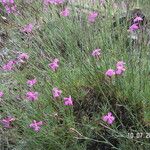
27	28
35	125
120	68
9	5
6	122
135	26
65	12
32	96
23	57
54	65
11	64
56	92
68	101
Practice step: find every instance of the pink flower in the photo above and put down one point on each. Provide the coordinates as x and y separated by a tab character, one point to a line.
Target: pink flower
32	96
110	72
10	6
36	126
23	56
56	92
8	9
92	17
137	19
3	1
59	1
54	65
118	71
120	64
68	101
9	66
11	1
31	82
65	12
109	118
1	94
96	53
11	62
27	28
120	68
134	27
7	121
7	1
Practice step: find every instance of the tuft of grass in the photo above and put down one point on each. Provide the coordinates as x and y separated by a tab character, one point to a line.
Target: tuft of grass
72	40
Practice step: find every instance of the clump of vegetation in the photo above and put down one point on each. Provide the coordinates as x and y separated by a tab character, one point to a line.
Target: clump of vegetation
74	75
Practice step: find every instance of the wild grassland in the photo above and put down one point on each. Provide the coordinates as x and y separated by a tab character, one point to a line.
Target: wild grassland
72	39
